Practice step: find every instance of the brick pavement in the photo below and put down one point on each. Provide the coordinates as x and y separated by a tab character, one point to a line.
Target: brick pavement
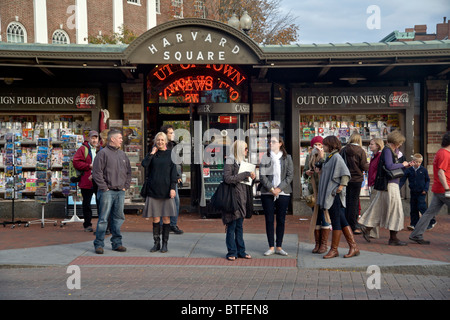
185	283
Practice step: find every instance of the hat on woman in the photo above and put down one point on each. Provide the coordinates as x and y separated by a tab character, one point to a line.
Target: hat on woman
316	139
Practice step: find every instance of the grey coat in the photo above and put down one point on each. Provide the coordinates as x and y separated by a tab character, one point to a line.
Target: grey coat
266	176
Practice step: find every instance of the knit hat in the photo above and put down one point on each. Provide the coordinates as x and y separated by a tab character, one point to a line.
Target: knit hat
316	139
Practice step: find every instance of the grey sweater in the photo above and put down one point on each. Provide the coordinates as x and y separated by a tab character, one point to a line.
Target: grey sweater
111	169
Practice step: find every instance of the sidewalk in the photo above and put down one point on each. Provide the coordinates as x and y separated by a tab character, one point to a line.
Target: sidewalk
203	243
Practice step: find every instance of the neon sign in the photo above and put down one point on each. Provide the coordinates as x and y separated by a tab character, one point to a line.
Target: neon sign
175	85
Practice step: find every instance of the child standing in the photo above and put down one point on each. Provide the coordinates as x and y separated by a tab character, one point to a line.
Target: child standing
419	183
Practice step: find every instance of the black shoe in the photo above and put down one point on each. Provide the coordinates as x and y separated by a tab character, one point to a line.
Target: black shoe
176	230
419	241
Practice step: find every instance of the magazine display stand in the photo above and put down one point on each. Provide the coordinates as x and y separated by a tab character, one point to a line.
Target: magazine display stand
13	173
43	194
70	145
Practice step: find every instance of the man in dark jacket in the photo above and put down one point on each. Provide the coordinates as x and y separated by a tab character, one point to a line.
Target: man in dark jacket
83	160
112	174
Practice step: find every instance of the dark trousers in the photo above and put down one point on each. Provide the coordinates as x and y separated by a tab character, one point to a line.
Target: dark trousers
86	205
352	204
279	208
337	214
418	205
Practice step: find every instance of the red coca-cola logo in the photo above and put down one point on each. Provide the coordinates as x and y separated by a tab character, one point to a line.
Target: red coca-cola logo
399	99
85	100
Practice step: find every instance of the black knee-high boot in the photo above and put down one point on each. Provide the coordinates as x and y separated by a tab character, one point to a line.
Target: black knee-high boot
165	237
156	237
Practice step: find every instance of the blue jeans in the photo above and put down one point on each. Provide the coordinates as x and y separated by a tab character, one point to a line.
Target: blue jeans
271	208
110	203
235	238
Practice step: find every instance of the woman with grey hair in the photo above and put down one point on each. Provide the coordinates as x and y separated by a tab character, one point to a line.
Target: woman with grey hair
160	190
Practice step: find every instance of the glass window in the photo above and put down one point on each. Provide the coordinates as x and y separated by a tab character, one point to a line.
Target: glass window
60	37
134	1
158	6
200	9
16	33
177	6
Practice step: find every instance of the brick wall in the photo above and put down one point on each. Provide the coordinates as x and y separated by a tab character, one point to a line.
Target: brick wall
57	15
23	9
436	119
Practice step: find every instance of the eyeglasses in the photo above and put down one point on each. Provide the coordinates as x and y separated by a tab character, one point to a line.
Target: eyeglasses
273	142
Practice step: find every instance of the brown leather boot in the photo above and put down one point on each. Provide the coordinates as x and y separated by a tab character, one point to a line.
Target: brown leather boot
317	239
348	234
335	238
324	240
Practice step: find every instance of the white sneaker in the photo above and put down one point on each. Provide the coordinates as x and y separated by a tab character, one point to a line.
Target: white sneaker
269	252
281	252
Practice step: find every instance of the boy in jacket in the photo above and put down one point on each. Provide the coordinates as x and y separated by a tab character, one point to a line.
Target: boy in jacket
419	183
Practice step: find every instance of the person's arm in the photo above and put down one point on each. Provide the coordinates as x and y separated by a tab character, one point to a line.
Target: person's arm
128	181
389	164
79	161
443	179
229	178
289	174
97	171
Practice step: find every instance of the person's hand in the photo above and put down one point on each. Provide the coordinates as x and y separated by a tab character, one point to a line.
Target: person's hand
339	189
309	173
154	150
90	178
276	192
172	193
252	175
406	164
317	170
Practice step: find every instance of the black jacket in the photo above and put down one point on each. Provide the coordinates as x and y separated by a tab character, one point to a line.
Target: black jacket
161	174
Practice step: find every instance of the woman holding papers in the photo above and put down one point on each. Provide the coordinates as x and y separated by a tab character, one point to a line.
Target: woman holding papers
242	193
277	172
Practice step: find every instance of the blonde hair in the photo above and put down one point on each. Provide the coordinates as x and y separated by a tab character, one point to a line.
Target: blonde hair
417	157
163	135
379	142
238	150
355	138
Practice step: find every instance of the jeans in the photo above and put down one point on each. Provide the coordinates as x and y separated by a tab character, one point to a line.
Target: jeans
352	203
278	207
337	214
110	204
436	204
235	238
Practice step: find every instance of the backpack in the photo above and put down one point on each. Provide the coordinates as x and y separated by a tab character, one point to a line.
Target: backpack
75	174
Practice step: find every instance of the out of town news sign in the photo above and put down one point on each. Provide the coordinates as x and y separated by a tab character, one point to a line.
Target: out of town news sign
193	45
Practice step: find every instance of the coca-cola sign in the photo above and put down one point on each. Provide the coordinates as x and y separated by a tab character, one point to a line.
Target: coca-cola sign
85	101
399	99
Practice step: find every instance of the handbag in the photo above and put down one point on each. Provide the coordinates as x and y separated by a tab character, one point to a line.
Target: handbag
222	198
143	192
310	199
394	174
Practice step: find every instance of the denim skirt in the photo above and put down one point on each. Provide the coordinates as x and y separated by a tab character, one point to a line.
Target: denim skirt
159	208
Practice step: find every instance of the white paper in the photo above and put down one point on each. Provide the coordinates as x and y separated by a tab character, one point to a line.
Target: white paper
247	167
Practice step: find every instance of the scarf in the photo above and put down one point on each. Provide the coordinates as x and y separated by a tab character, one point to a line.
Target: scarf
276	166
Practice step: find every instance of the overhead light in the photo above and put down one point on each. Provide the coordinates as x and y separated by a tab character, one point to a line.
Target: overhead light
353	79
10	80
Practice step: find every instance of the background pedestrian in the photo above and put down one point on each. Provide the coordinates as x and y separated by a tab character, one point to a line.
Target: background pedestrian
112	173
276	174
160	191
244	198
